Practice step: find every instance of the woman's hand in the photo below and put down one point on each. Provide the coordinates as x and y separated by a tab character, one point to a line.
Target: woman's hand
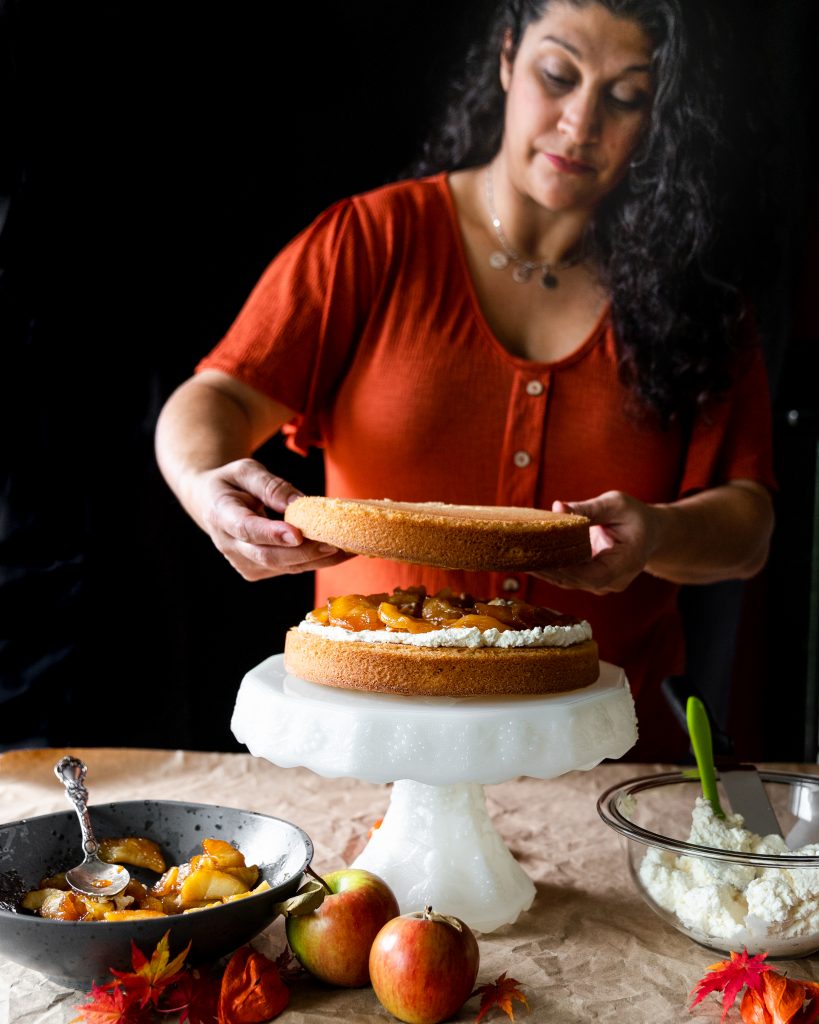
205	435
717	534
623	535
231	503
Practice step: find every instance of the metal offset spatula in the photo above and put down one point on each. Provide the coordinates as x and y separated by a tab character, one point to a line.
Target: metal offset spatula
741	782
748	797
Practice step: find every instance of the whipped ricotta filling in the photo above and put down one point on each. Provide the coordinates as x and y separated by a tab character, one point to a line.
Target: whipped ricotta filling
732	901
472	637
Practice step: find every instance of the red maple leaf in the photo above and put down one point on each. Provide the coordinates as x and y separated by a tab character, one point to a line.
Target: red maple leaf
729	977
500	994
111	1005
288	966
195	997
149	978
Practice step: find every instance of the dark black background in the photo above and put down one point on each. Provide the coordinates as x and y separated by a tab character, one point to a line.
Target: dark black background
155	157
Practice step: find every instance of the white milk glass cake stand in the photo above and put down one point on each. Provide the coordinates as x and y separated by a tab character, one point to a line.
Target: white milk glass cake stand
436	845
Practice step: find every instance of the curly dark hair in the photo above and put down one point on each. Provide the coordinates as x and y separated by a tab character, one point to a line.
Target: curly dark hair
668	241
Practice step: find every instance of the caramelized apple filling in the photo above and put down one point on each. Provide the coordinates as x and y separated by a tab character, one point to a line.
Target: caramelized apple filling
217	875
414	611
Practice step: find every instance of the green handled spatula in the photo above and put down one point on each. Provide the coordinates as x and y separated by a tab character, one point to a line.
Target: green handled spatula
740	782
699	729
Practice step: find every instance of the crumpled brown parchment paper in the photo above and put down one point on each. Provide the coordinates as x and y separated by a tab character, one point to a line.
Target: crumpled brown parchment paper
588	950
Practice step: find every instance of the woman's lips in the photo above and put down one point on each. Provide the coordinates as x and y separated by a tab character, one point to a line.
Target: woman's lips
567	166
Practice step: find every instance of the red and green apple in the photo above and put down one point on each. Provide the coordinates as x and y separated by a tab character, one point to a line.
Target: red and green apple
333	942
423	966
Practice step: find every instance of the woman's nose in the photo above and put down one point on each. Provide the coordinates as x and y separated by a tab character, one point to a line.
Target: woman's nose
580	119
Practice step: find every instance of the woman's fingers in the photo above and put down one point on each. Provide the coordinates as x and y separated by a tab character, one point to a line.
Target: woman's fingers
603	574
235	499
621	539
270	557
606	508
242	518
252	477
261	562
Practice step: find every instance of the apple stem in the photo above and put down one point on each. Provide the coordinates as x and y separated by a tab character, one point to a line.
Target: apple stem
430	915
318	878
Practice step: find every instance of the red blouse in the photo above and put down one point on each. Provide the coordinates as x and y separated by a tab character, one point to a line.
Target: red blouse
368	324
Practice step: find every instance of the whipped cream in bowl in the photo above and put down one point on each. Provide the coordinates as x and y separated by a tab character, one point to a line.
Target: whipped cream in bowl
712	879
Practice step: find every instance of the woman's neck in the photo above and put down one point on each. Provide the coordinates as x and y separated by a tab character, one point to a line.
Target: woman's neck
535	232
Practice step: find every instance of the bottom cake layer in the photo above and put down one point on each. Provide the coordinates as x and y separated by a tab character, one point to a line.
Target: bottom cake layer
442	672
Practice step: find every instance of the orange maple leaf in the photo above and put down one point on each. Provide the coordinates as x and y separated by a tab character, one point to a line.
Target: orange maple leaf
252	989
500	994
729	977
111	1006
149	978
781	1000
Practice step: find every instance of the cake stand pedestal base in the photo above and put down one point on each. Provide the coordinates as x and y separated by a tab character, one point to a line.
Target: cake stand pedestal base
438	847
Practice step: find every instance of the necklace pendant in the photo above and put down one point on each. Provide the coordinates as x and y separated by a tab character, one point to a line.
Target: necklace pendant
548	279
522	273
498	260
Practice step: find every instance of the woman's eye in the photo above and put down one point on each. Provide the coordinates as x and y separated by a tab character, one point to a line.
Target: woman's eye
631	102
557	79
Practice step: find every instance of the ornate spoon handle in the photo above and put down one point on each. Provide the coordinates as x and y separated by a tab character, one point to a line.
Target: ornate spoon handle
71	772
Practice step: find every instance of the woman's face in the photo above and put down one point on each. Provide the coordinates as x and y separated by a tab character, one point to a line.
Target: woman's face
578	99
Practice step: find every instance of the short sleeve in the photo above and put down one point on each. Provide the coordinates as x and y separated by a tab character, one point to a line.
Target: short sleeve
732	435
296	333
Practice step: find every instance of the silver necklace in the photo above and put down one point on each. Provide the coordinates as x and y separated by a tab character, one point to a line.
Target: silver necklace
522	267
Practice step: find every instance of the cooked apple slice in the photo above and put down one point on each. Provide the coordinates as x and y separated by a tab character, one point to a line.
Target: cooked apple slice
171	904
95	910
136	889
222	855
64	906
35	898
261	887
55	882
167	883
248	876
206	905
209	885
132	915
134	850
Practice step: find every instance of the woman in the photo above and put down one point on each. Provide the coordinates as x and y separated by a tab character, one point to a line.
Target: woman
541	327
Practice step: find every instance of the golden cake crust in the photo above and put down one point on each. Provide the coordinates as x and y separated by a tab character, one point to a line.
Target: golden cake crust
481	538
440	671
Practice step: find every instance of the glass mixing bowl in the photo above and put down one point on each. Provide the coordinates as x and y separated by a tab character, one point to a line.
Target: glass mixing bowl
723	899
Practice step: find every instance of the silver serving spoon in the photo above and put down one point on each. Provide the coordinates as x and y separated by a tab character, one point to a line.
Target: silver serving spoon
93	877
